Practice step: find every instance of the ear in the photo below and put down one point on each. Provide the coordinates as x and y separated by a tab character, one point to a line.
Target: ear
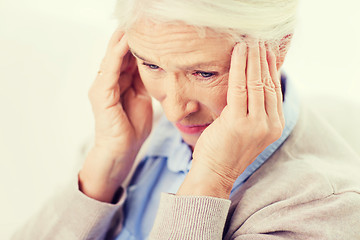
282	50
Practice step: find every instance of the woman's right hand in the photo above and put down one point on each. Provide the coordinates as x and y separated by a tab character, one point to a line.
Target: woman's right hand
123	120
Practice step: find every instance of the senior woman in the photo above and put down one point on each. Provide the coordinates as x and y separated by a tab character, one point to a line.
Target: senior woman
234	158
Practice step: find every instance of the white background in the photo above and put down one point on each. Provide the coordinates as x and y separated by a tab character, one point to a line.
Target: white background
49	55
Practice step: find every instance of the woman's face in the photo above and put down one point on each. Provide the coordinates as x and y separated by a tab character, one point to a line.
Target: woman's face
187	74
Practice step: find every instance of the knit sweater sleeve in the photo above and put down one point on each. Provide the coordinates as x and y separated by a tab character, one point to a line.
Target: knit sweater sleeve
190	217
71	215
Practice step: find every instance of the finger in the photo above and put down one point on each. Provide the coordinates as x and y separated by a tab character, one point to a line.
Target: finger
127	72
105	90
111	65
125	62
129	63
255	86
139	85
237	94
269	87
276	81
115	38
125	81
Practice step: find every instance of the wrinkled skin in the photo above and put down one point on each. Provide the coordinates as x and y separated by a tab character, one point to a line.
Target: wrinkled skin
233	88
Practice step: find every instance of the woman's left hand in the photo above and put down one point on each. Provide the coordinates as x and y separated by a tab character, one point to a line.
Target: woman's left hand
251	121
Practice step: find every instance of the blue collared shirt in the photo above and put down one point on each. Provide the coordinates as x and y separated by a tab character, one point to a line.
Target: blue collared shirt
168	160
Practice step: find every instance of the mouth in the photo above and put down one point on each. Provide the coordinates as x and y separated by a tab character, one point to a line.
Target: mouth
192	129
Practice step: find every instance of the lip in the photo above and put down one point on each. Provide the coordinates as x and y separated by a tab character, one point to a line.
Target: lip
191	129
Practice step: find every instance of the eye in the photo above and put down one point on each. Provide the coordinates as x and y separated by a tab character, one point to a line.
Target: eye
151	66
205	74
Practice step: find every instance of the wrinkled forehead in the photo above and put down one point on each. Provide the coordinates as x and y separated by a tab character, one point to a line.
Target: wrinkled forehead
158	41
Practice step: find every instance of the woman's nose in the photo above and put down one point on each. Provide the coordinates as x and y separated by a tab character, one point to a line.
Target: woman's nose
178	101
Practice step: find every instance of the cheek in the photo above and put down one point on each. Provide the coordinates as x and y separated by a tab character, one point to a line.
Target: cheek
151	85
215	97
218	100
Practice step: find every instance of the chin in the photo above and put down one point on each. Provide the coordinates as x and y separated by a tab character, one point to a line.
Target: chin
190	139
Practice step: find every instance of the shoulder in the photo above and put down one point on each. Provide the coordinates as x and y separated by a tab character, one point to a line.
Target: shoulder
315	153
317	149
310	182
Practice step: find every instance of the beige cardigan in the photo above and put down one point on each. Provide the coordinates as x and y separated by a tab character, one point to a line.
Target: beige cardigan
309	189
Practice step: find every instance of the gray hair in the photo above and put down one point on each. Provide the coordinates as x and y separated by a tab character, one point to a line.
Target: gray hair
270	21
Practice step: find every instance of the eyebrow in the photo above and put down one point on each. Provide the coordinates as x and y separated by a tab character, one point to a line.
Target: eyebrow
137	56
187	67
